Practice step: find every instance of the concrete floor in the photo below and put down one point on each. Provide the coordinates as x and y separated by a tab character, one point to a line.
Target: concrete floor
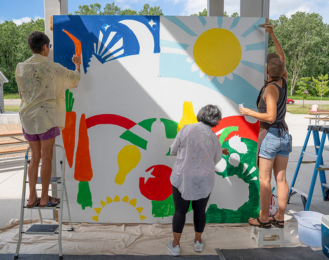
11	181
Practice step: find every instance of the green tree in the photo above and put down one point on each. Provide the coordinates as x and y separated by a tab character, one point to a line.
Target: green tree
128	12
93	9
303	86
305	39
205	13
14	48
148	10
113	9
321	85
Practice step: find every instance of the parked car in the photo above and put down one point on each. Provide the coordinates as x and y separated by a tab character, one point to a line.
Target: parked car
290	101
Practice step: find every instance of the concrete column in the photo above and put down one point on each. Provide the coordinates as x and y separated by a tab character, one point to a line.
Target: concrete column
215	7
53	7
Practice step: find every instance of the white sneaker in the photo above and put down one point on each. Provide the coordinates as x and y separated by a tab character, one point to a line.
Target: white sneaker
198	247
175	251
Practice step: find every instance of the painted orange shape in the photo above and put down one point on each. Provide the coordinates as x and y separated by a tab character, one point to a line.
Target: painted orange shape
69	136
77	43
83	170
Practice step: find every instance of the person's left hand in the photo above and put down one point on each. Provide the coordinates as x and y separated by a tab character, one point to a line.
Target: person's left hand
245	111
225	151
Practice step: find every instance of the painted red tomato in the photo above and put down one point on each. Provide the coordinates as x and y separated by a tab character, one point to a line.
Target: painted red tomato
158	188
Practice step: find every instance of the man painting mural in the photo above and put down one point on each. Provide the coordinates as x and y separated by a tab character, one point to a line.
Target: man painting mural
41	84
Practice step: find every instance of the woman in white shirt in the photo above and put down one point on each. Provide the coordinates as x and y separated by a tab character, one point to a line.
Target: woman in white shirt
41	84
198	151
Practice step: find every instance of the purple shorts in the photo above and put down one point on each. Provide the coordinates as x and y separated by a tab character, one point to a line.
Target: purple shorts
51	133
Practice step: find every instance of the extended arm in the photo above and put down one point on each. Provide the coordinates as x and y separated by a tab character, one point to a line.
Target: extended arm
278	48
270	97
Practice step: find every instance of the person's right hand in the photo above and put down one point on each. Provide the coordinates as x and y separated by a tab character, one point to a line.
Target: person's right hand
225	151
268	29
76	59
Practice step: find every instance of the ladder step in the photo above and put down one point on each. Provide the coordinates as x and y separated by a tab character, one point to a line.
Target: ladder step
300	192
53	180
325	185
323	168
39	229
308	162
310	154
324	148
52	208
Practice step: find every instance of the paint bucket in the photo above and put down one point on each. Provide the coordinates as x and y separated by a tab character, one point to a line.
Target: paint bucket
309	228
315	108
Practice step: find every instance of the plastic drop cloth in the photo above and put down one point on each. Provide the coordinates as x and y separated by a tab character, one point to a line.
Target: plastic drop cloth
145	239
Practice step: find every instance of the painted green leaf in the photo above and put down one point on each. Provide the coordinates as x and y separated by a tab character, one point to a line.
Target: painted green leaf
84	195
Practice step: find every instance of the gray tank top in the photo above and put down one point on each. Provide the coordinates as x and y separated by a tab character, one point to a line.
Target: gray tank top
281	105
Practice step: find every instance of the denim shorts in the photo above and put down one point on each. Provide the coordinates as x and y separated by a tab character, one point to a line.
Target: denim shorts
275	144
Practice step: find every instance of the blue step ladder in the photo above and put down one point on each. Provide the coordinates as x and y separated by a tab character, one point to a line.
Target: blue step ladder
318	168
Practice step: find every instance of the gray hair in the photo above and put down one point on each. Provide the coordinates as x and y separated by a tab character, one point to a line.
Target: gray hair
209	115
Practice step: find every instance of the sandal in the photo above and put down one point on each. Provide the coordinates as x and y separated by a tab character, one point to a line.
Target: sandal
35	204
277	223
52	202
266	225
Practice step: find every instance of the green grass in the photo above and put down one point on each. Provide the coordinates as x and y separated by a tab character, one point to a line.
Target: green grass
298	109
11	108
309	98
11	96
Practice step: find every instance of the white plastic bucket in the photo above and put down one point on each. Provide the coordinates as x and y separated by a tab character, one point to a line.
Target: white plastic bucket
309	228
314	108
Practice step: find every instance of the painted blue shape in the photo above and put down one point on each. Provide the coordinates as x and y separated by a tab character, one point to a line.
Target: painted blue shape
238	90
86	29
260	68
203	20
256	46
176	45
180	24
235	22
254	27
220	22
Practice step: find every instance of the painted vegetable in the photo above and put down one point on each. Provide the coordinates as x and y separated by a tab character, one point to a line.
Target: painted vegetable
69	131
83	170
158	188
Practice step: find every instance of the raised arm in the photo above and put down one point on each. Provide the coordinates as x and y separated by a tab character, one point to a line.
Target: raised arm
70	78
278	48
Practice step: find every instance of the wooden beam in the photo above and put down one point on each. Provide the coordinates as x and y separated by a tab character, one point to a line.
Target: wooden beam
51	23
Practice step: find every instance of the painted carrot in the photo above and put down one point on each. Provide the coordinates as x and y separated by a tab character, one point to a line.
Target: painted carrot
69	131
83	170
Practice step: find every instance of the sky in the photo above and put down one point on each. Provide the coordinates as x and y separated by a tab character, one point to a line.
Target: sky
20	11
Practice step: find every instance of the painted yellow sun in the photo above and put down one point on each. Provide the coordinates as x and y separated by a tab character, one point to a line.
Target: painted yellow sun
132	202
217	52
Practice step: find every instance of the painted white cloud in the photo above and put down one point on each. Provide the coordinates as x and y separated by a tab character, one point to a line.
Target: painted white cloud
25	20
